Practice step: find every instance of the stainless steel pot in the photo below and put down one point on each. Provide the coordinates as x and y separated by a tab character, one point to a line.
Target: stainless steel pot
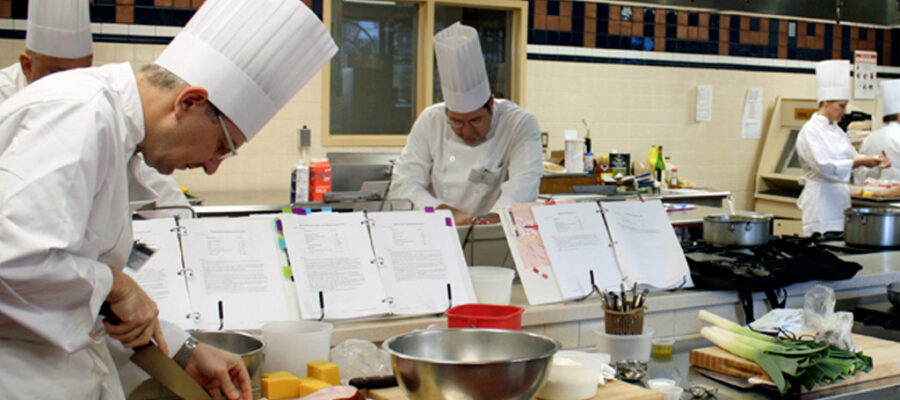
877	227
736	229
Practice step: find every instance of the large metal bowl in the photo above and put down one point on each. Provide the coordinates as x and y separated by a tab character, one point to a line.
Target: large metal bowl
471	364
893	293
248	347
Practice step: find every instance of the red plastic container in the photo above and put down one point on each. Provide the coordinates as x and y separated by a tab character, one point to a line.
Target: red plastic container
485	316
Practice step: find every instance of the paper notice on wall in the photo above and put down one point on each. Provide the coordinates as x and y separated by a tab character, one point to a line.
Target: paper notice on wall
751	124
704	102
864	75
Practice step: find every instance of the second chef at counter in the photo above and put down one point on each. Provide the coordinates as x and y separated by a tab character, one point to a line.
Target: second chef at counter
826	154
473	153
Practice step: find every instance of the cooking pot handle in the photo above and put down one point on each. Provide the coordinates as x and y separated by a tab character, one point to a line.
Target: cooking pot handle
748	227
731	226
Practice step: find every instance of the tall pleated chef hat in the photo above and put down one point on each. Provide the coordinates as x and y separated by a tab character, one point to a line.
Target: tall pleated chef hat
464	80
252	56
890	95
834	79
59	28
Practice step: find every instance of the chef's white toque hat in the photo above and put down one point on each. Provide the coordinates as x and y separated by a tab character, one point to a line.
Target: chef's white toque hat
464	80
833	77
890	94
59	28
252	56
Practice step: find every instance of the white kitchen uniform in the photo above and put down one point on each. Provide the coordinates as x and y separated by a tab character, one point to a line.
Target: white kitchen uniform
436	166
64	221
888	139
826	156
12	80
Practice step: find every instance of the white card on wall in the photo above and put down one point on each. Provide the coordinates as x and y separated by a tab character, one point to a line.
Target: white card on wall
864	74
751	124
704	102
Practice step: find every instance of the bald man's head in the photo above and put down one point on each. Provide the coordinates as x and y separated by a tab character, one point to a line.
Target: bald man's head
36	66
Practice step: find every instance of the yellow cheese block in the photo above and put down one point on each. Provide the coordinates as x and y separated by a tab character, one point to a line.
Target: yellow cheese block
309	385
281	386
324	371
276	374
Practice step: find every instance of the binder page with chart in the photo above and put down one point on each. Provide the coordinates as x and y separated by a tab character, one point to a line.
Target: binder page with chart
162	276
421	256
577	241
234	261
331	253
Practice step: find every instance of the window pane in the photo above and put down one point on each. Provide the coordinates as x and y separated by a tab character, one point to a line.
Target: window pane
374	73
494	27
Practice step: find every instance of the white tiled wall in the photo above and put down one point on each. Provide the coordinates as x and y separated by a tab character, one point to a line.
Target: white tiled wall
628	108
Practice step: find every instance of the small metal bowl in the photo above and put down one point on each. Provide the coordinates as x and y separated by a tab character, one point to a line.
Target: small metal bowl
249	348
893	293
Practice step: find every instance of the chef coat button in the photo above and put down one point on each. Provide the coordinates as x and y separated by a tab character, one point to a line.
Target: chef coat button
452	158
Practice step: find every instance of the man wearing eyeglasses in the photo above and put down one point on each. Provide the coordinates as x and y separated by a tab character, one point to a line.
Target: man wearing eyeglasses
473	153
65	226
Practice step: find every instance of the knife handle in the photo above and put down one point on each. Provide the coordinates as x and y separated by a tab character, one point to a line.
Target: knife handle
111	317
374	382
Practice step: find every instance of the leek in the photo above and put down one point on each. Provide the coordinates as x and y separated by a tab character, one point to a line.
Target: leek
785	360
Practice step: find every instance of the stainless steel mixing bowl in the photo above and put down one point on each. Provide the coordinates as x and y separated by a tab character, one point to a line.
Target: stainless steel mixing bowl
248	347
471	364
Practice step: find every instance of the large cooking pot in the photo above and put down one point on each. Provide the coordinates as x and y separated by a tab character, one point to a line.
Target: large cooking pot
740	230
876	227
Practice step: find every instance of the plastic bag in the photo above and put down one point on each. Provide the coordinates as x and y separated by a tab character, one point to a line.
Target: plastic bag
360	358
819	316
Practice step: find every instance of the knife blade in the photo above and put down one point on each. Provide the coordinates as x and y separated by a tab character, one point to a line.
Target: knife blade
160	367
743	383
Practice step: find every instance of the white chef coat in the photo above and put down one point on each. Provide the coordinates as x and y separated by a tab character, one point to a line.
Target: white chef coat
64	220
436	165
826	156
888	139
12	80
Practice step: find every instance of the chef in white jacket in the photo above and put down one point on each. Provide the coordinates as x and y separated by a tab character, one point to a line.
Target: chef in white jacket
473	153
826	154
65	229
887	139
57	38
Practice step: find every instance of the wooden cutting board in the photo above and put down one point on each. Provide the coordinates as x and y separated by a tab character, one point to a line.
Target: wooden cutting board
612	390
885	362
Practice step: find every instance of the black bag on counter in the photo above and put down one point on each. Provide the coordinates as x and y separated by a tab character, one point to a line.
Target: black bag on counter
768	268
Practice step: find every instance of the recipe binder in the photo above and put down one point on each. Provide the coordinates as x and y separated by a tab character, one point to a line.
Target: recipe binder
560	250
365	264
214	273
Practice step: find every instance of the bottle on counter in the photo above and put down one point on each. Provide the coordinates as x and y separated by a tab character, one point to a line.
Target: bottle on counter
660	165
672	179
601	168
589	163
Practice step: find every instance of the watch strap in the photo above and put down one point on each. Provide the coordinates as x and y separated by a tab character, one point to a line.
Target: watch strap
184	353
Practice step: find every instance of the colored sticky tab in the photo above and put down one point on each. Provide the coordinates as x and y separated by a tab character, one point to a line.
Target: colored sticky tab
429	209
287	210
448	221
278	225
326	209
307	210
286	270
299	211
281	243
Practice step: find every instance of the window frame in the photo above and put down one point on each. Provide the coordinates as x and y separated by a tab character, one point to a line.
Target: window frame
425	65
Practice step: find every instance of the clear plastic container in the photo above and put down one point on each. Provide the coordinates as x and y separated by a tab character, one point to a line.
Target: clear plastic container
493	285
625	347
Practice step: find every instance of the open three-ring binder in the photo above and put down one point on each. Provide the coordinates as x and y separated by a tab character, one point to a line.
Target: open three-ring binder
240	273
559	249
216	273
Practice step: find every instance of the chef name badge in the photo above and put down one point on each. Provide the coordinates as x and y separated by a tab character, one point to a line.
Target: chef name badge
140	253
484	175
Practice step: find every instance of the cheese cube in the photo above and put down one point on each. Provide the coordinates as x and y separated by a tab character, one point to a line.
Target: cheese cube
281	386
275	374
325	371
309	385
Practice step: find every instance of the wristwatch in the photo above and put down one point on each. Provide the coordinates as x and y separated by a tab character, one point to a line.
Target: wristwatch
184	353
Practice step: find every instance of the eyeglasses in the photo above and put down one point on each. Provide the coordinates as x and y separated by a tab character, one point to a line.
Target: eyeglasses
474	123
227	137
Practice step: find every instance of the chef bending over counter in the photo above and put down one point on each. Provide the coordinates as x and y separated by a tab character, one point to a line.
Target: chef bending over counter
473	153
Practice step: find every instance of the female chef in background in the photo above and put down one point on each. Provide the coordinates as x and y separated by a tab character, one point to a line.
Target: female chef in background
826	154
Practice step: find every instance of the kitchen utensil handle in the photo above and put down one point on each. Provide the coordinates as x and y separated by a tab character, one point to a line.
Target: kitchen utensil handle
107	312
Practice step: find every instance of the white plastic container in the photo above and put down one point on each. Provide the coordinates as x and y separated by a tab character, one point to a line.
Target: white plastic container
625	347
575	155
493	285
292	344
669	392
573	376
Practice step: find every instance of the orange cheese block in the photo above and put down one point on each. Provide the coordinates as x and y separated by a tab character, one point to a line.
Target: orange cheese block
280	386
310	385
324	371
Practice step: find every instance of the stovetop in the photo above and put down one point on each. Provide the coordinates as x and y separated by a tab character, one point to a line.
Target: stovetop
830	241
